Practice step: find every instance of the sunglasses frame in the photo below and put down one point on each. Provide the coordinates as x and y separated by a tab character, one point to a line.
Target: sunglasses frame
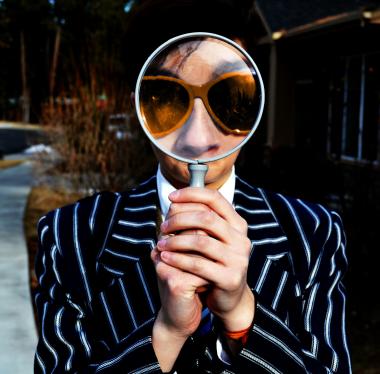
162	47
200	91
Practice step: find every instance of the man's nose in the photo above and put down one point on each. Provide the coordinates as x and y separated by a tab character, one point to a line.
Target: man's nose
198	136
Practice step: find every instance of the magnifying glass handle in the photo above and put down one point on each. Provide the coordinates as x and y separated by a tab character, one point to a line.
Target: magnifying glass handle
197	174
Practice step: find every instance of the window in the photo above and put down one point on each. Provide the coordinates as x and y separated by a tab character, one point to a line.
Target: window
354	109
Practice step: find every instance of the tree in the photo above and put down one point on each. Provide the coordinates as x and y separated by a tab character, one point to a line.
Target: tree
46	44
26	22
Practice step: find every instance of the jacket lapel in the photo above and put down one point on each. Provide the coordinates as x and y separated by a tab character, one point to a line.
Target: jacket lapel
127	286
270	263
133	233
271	272
125	261
264	230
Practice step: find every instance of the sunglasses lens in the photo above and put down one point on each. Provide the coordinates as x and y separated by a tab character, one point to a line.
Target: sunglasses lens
163	105
233	100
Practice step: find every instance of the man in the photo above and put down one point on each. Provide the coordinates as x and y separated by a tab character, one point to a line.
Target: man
234	279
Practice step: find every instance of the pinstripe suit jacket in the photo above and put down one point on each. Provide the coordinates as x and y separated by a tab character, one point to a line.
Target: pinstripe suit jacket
98	297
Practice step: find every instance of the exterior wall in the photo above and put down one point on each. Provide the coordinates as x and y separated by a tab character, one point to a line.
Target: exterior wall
309	69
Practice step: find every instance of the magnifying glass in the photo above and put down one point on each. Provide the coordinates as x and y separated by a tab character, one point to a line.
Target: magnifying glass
199	98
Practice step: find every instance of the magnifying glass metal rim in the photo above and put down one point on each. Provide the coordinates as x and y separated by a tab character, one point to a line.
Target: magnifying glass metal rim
145	67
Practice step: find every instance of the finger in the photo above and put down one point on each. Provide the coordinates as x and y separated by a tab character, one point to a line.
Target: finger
155	256
196	265
209	222
191	232
214	200
166	273
185	207
183	232
196	244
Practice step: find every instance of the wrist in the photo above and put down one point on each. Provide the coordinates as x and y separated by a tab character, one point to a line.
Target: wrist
167	344
165	332
242	316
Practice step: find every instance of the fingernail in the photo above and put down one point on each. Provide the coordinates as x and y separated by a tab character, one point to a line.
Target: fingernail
174	194
161	244
164	225
165	255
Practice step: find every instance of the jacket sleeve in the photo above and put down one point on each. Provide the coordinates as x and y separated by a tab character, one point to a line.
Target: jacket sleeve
69	341
317	342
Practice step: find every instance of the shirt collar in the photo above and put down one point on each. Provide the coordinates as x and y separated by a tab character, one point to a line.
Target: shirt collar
164	188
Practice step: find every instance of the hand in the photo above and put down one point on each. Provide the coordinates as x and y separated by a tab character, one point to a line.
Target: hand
220	258
181	308
180	312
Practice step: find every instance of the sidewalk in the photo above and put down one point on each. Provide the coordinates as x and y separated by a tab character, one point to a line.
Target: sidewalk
18	337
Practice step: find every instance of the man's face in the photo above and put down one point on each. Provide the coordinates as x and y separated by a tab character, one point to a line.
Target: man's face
199	133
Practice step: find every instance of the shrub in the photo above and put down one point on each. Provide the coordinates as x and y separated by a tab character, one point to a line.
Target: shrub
99	143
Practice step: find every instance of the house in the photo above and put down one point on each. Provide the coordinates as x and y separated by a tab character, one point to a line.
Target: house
325	80
321	65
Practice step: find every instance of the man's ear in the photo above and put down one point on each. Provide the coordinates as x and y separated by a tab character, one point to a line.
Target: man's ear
132	98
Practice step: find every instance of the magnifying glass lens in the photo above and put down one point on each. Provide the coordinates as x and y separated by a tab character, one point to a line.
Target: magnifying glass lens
199	97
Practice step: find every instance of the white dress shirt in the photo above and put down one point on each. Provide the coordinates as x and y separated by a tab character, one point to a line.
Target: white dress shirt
164	188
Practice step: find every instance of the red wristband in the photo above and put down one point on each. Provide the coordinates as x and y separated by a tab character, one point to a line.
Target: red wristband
241	335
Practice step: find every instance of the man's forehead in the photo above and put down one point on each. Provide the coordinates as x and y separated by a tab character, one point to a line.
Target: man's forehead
202	63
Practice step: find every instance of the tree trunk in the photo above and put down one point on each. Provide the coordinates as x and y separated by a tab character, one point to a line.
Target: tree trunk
25	96
53	69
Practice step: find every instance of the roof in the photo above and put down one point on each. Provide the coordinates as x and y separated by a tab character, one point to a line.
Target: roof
292	14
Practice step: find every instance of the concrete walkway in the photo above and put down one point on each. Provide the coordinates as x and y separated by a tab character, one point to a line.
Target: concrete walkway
18	337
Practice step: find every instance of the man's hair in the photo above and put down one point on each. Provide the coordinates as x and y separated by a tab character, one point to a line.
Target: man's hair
152	22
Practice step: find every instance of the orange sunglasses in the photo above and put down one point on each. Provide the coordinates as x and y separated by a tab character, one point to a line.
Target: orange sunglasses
166	102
